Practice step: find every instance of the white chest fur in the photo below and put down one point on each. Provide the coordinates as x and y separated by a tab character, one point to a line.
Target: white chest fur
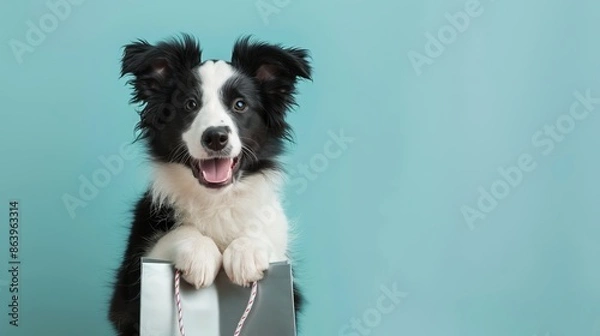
248	208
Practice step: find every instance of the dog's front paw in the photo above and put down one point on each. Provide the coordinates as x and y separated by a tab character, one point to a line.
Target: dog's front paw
199	261
245	261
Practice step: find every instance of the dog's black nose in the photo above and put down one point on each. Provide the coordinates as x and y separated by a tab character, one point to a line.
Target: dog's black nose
215	138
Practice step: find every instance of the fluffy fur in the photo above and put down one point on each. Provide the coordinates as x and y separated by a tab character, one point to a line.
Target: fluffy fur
214	131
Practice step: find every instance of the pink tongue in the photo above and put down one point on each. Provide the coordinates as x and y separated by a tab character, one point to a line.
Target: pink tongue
216	170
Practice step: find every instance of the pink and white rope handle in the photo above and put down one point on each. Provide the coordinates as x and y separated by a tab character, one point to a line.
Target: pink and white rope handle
253	294
238	330
178	302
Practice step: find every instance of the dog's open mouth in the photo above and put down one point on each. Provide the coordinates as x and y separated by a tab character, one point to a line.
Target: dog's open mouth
215	172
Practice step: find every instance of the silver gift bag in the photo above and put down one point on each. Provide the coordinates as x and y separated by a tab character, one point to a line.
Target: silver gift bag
216	310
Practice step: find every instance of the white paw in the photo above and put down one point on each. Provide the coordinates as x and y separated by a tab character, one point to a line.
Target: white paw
245	261
199	261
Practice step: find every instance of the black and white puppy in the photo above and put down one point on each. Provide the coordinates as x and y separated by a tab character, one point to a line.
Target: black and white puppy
214	131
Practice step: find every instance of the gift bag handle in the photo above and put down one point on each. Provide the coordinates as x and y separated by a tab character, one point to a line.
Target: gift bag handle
238	330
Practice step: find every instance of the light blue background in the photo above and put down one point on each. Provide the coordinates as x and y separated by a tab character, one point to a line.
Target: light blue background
386	211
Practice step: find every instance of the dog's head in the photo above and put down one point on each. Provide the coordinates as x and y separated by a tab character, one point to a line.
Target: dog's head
223	120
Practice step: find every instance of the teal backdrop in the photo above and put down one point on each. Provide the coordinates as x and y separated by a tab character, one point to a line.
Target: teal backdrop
464	200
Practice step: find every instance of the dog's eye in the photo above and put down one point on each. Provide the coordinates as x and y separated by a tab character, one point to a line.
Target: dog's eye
240	105
191	104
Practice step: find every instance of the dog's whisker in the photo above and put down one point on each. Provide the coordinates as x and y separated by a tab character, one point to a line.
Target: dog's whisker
254	141
178	153
250	152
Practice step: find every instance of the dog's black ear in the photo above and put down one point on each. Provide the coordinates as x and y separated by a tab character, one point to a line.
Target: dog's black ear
155	68
276	68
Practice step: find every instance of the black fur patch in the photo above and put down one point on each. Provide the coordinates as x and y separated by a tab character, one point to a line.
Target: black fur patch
166	85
